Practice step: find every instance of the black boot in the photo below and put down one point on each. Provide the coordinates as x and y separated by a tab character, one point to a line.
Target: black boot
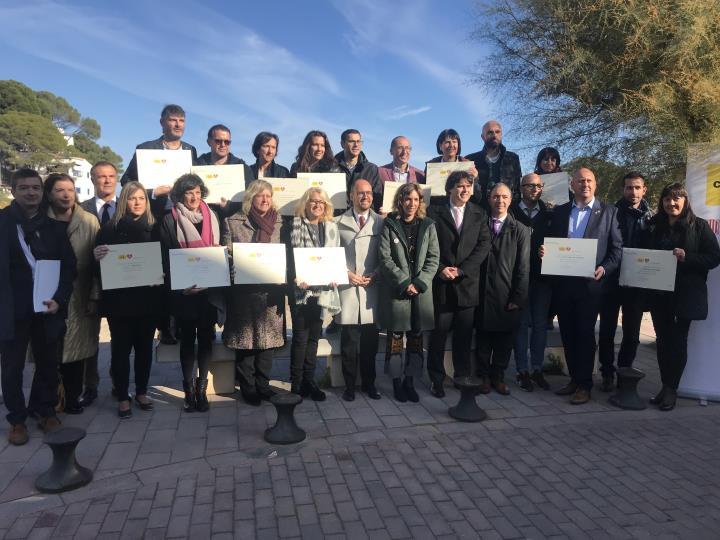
296	388
657	399
201	401
310	388
669	398
189	401
398	391
409	389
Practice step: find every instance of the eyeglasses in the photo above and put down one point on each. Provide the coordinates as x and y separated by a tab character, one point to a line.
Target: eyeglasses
364	193
351	142
533	186
316	202
221	142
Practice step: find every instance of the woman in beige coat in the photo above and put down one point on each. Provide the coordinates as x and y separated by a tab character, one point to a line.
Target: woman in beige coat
83	323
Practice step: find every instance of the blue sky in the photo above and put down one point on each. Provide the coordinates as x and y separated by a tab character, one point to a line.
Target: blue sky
383	67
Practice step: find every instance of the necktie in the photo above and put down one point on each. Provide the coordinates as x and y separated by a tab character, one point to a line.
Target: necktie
529	212
456	217
105	217
497	224
361	221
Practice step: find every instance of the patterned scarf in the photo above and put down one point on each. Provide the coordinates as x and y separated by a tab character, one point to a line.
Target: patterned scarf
186	220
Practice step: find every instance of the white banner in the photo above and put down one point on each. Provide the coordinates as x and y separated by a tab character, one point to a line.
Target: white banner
701	378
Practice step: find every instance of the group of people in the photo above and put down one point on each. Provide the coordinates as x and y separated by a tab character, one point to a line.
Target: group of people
467	263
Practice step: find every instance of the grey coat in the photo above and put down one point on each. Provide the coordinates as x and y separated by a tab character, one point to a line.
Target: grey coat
398	312
359	304
255	313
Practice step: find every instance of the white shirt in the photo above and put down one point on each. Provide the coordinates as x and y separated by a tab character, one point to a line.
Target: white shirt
400	175
458	215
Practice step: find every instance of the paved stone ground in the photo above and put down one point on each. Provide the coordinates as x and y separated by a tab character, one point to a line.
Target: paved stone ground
537	468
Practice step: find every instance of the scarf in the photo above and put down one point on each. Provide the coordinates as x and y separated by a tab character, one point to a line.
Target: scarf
264	225
186	220
30	226
133	230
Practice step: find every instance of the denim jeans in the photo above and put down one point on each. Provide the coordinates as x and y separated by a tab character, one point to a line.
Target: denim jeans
533	321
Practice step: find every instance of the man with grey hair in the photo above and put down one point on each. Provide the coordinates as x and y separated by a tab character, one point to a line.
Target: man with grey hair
494	163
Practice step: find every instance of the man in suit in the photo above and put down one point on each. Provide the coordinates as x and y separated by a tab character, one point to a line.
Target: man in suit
359	229
494	163
464	241
503	291
29	237
400	170
578	299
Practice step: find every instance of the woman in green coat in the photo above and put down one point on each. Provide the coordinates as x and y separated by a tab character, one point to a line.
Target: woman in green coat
409	258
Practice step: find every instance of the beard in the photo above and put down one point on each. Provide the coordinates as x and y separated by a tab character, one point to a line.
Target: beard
492	144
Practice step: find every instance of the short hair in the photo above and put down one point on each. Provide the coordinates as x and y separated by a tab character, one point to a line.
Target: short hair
455	177
352	186
344	135
632	175
402	192
22	174
498	186
185	183
255	187
121	208
260	139
448	134
395	139
172	110
300	208
548	151
221	127
102	164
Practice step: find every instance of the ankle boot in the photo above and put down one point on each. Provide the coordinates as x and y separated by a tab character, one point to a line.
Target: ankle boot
409	388
669	398
201	401
296	388
657	399
310	388
189	401
398	391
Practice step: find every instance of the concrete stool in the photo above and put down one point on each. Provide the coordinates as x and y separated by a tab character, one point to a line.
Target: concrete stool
285	430
65	473
467	409
626	396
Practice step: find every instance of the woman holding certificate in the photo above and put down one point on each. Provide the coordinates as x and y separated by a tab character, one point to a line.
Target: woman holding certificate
132	313
83	324
312	226
675	227
255	322
409	257
448	145
314	155
191	223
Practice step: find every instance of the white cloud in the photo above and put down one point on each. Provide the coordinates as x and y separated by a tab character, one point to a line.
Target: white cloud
403	112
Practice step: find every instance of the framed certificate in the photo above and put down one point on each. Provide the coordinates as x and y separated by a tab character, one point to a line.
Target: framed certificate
321	266
557	186
334	184
648	269
223	182
286	193
200	267
437	174
570	257
131	265
257	264
390	189
162	167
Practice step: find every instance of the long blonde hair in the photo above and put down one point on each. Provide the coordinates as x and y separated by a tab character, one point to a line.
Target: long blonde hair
256	187
403	192
302	203
121	208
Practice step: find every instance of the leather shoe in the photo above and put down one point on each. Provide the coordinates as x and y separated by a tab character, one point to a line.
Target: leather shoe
524	381
371	392
88	397
501	388
313	390
669	399
73	408
49	423
608	383
18	435
537	378
144	405
657	399
567	390
437	390
252	398
349	394
484	387
580	396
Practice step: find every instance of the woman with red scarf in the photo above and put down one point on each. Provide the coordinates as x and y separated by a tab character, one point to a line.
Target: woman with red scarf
191	224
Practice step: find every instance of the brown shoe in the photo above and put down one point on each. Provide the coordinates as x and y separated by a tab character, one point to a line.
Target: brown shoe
18	435
501	388
49	423
484	387
567	390
580	396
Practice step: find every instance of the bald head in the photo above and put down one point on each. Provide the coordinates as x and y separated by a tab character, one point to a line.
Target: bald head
361	195
531	187
583	184
492	134
500	199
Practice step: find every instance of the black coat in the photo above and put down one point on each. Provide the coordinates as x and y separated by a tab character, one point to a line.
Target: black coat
504	276
274	170
506	170
466	250
538	226
49	241
363	169
702	254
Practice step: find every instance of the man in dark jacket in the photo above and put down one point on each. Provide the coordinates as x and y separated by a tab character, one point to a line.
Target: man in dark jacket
503	291
355	165
30	237
219	141
495	163
531	211
633	214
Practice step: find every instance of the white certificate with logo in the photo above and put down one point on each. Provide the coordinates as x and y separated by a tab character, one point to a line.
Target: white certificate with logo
334	184
286	193
223	182
257	264
320	266
162	167
437	174
200	267
570	257
390	189
46	278
557	186
648	269
131	265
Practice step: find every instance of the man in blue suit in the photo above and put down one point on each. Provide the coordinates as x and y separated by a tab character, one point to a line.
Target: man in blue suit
578	300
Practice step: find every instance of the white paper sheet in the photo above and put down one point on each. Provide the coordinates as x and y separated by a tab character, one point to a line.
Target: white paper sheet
200	267
223	182
570	257
162	167
256	264
321	266
648	269
131	265
46	278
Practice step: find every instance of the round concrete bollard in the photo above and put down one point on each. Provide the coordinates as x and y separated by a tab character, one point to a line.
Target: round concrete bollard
467	409
65	473
627	396
285	430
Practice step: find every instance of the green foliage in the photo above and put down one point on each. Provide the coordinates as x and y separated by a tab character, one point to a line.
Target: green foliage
15	96
93	152
29	139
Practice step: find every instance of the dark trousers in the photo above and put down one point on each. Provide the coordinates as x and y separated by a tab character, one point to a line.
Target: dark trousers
307	329
578	304
127	334
359	345
672	334
632	311
91	377
460	321
72	379
46	352
253	370
204	331
492	353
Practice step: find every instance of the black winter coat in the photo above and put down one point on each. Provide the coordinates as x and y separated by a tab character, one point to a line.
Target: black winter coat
538	226
506	170
274	170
